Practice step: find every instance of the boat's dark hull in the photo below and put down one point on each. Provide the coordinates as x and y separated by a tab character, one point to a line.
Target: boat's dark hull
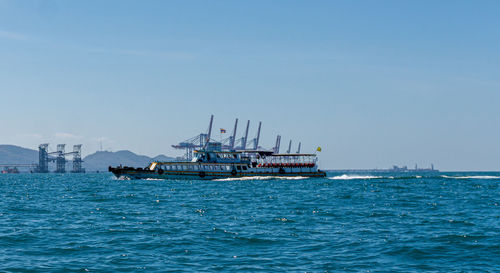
139	173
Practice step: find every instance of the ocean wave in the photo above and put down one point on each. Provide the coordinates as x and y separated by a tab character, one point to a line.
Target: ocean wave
472	177
122	178
262	178
350	177
154	179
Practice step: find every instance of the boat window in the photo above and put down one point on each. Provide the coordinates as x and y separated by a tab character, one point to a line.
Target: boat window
238	167
244	168
228	168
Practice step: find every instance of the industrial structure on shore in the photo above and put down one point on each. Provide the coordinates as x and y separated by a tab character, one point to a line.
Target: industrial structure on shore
59	157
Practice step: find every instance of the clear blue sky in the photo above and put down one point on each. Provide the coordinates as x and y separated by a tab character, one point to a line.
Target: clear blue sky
374	83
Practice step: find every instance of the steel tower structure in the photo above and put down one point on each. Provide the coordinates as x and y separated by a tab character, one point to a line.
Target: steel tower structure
77	159
43	158
60	159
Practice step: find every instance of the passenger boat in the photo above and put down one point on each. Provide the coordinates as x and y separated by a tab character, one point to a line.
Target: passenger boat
227	164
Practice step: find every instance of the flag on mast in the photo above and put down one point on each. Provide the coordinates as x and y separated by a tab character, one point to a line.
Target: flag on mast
318	149
222	131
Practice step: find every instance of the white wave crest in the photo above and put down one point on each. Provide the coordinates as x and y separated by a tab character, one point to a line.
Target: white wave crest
350	177
154	179
472	177
261	178
123	178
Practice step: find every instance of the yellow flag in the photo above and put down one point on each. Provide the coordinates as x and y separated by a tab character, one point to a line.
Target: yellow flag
318	149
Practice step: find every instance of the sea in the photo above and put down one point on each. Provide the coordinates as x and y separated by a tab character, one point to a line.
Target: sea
383	222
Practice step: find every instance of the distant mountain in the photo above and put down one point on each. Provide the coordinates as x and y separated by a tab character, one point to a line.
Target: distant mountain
11	154
162	158
100	161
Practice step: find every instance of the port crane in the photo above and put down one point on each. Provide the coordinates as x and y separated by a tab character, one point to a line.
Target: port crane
228	144
231	143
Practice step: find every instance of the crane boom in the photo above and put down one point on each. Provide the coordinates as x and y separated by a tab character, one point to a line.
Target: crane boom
234	134
277	146
256	144
210	129
244	144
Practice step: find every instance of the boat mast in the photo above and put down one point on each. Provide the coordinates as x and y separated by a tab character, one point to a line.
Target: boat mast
298	149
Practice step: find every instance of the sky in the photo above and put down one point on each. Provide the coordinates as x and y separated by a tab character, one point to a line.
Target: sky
374	83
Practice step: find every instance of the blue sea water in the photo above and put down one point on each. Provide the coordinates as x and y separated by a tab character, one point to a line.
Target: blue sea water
344	223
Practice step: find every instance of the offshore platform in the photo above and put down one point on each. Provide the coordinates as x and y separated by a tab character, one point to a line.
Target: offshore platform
59	157
231	143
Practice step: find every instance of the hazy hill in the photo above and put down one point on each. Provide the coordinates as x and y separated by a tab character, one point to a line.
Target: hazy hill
11	154
101	160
